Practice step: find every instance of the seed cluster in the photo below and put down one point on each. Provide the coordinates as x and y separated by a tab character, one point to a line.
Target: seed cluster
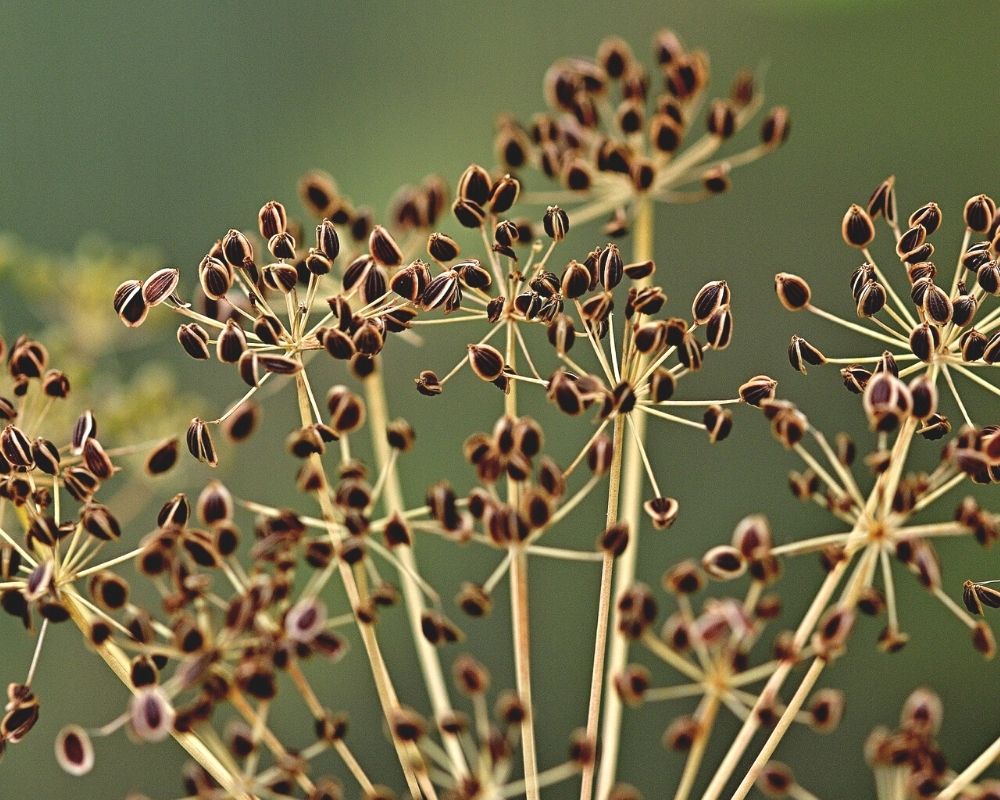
248	605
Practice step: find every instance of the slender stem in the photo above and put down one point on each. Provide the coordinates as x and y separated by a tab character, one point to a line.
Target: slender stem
520	614
120	665
787	718
971	772
631	473
383	683
706	720
430	664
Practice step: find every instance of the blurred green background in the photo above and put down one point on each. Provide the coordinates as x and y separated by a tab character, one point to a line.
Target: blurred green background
162	125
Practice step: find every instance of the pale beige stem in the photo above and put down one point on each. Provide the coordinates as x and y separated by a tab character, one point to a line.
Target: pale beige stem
120	665
626	567
430	663
383	683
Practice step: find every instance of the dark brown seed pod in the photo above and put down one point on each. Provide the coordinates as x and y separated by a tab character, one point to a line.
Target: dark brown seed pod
429	384
925	397
279	365
610	267
991	350
963	307
236	248
937	305
555	223
200	444
74	751
159	286
662	511
347	410
883	201
319	193
383	247
793	291
46	456
16	447
719	330
231	343
870	299
486	361
215	277
162	457
442	248
758	389
801	353
280	277
924	341
776	127
194	339
129	304
988	277
979	213
614	539
857	228
151	715
718	423
241	424
468	213
724	563
327	240
504	195
271	219
711	297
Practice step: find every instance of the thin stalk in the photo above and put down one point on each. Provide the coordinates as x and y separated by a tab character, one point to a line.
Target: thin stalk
383	682
430	664
626	567
120	665
520	614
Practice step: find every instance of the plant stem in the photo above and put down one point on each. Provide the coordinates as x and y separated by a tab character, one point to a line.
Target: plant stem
383	682
427	655
603	607
119	663
520	613
611	731
971	772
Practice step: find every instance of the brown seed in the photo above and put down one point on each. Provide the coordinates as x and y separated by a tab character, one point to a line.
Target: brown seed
793	291
662	511
857	228
159	286
883	201
319	193
194	339
758	389
271	219
200	444
130	305
776	127
801	353
74	751
711	297
555	223
979	213
724	562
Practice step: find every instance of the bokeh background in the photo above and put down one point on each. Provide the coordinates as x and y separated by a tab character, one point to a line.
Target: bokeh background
158	126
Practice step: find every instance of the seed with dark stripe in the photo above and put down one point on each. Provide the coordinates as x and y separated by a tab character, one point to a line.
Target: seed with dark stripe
200	444
857	227
159	286
129	304
793	291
